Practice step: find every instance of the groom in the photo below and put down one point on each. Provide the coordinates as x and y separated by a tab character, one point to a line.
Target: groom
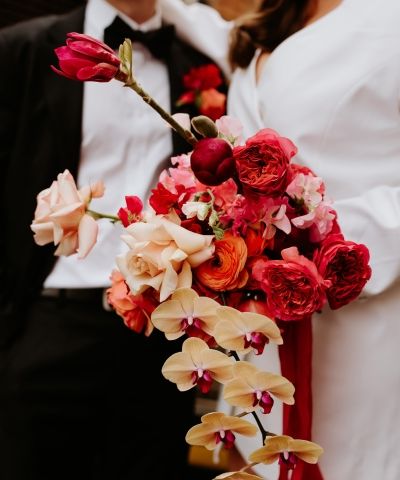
82	396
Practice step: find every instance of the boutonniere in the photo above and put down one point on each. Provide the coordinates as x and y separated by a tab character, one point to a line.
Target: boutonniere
202	86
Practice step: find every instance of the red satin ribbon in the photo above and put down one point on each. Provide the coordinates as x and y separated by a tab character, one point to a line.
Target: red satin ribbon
295	356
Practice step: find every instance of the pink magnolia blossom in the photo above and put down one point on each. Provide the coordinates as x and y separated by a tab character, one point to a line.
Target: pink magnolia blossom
86	58
61	216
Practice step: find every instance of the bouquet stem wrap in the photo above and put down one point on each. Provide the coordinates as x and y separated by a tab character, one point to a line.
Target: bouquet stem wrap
296	361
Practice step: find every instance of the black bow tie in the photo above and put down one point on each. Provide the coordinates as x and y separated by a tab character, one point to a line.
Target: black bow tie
157	41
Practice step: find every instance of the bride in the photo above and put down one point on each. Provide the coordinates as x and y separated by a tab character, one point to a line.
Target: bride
326	74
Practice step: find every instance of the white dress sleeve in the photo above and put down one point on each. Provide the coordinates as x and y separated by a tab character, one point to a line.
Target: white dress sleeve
373	218
202	27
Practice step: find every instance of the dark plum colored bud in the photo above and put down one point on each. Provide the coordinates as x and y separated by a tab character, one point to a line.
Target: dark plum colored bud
212	161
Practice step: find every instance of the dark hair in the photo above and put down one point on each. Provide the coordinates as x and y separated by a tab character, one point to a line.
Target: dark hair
267	27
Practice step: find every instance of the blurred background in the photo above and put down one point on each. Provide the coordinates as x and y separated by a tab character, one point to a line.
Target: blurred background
12	11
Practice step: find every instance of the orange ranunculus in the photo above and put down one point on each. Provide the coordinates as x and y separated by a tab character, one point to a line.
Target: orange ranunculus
134	309
257	241
225	270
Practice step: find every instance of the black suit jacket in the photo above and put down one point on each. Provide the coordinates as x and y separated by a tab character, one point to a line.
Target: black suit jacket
40	136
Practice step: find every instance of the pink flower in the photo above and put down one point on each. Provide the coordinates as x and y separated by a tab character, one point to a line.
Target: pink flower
132	212
86	58
319	221
225	194
212	161
306	189
230	128
61	217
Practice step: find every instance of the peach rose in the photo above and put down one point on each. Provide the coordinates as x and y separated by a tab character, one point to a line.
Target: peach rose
162	255
61	217
225	270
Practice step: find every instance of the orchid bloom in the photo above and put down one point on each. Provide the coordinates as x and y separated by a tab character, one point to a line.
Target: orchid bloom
197	364
251	387
240	475
286	450
186	312
243	331
216	427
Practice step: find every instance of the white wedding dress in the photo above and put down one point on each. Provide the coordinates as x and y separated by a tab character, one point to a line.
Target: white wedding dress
333	88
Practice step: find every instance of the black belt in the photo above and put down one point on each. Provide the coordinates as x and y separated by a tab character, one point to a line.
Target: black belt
87	295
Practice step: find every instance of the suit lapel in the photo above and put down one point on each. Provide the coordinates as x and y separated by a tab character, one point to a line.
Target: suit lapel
180	60
63	96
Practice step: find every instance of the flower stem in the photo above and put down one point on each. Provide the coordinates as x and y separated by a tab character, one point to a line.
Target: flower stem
185	134
249	465
98	215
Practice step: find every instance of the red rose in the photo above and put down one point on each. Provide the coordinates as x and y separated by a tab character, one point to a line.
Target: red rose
85	58
294	288
203	77
263	162
212	161
345	265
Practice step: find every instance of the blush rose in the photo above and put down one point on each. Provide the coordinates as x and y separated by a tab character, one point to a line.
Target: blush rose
60	216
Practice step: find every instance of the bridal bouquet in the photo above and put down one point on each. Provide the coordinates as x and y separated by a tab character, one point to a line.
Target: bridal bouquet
237	248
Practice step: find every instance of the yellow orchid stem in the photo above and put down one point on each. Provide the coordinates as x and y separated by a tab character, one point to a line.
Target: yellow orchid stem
243	414
249	465
185	134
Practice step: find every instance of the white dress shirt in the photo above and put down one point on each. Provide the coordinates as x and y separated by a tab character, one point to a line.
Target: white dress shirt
125	144
333	88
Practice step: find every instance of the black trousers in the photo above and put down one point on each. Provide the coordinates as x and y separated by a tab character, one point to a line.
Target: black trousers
82	397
